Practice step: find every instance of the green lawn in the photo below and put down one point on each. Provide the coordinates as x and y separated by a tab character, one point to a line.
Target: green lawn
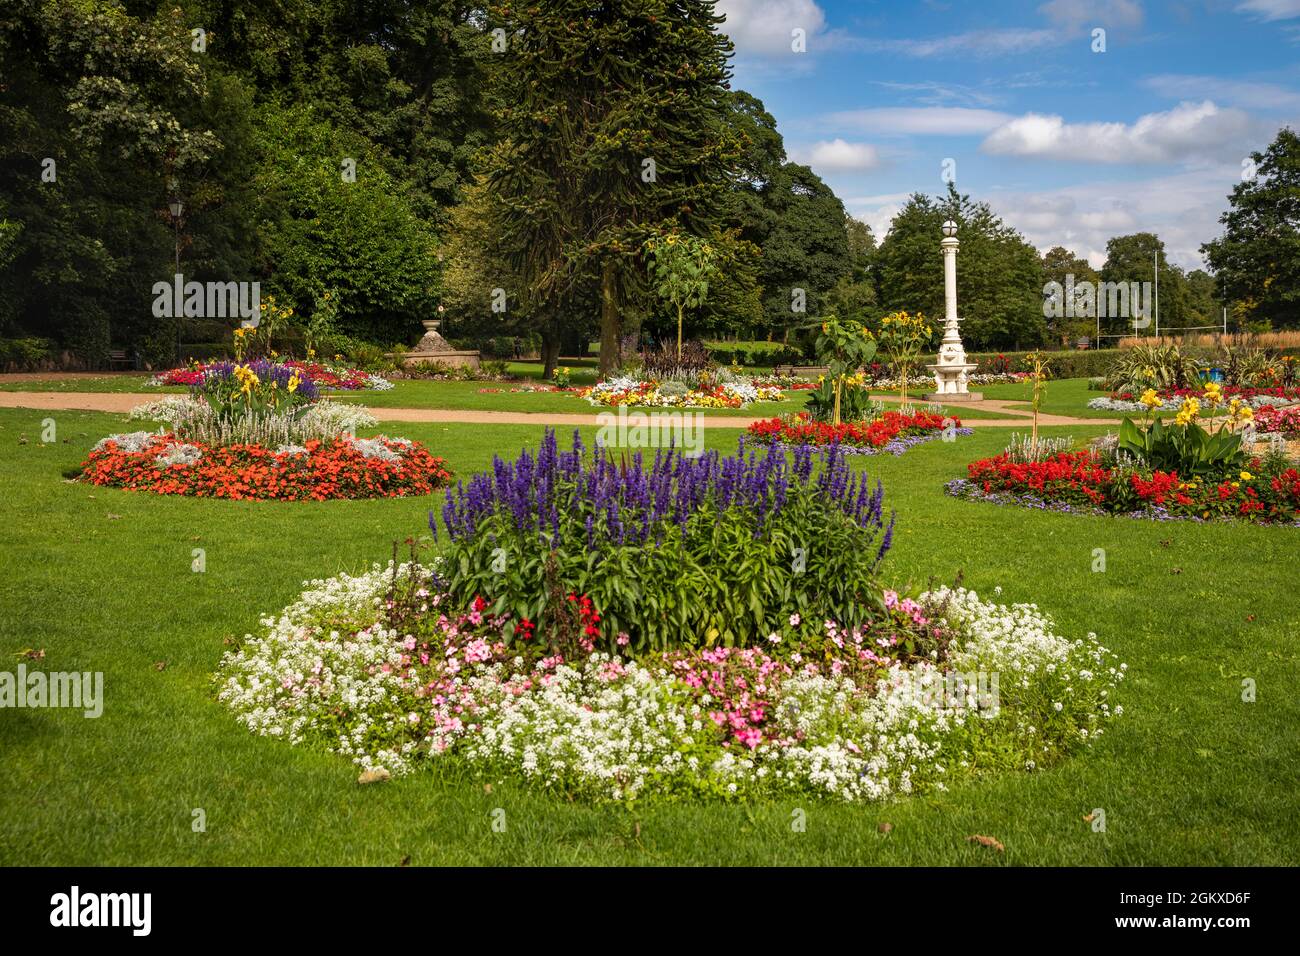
100	579
469	396
1066	396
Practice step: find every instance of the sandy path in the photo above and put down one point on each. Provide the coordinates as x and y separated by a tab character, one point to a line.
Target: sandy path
123	402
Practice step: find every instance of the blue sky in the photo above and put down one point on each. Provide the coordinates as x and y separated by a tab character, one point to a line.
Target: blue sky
1069	145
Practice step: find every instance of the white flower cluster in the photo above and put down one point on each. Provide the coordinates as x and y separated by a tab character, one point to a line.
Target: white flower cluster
326	672
328	419
607	727
377	382
325	652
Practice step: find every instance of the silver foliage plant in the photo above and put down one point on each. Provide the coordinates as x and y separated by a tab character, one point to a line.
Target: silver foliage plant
194	420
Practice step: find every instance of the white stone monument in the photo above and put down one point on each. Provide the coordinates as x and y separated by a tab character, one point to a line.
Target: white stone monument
952	369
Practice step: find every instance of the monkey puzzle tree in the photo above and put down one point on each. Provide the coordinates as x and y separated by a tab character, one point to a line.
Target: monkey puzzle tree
611	131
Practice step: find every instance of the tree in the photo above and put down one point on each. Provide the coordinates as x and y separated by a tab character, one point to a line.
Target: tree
1256	262
1132	259
999	274
854	295
360	236
1062	267
611	131
680	270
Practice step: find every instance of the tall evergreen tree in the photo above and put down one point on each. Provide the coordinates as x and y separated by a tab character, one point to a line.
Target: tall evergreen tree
611	129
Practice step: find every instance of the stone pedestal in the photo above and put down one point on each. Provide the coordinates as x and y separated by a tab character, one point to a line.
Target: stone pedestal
434	348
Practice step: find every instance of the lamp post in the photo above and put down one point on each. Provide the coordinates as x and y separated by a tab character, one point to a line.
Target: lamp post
951	369
177	207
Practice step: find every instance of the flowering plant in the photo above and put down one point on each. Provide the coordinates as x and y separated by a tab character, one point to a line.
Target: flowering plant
385	668
902	337
341	468
319	374
672	394
892	431
1072	481
678	551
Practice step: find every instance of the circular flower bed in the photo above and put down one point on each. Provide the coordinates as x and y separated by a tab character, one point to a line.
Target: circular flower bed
388	670
892	432
1079	482
316	470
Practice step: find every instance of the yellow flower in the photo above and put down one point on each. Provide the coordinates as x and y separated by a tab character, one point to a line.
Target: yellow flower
311	353
1246	476
1151	399
293	382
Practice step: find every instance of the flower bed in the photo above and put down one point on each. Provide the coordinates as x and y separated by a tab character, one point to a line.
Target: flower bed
317	470
653	394
892	432
1079	482
1279	421
387	670
1172	399
319	375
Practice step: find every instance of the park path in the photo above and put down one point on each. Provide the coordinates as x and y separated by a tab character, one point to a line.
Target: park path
123	402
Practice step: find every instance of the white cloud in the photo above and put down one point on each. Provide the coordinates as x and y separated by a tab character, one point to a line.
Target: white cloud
876	211
921	120
838	155
1074	15
1271	9
1187	132
1245	93
1182	209
975	43
763	27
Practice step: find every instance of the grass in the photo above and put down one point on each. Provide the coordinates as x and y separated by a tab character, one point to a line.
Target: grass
467	396
1066	396
101	580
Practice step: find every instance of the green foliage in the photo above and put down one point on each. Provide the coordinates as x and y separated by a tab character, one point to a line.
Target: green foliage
844	346
1256	261
999	274
718	576
680	269
1161	367
1189	450
585	112
24	354
855	402
362	239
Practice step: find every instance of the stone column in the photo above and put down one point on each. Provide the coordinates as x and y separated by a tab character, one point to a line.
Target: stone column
949	245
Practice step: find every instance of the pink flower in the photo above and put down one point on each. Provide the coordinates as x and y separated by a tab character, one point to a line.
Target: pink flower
795	619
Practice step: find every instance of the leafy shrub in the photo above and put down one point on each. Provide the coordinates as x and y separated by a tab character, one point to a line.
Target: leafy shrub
855	403
1187	449
1162	367
25	354
685	551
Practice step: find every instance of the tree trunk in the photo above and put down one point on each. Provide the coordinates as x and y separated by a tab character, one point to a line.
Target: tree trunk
609	320
550	352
